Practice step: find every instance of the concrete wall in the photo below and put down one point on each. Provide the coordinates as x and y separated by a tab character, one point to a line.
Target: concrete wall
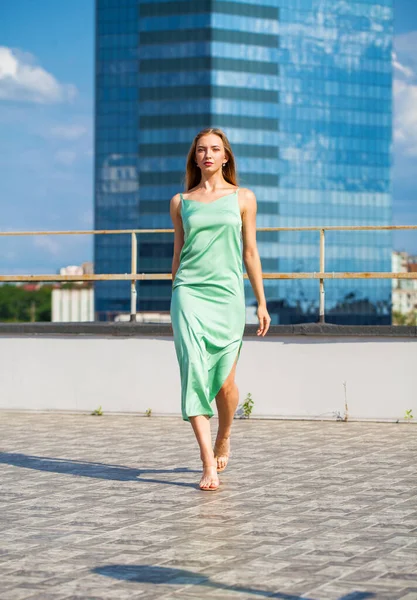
287	376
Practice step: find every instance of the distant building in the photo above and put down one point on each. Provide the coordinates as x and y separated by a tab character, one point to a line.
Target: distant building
86	268
404	291
303	90
30	287
75	303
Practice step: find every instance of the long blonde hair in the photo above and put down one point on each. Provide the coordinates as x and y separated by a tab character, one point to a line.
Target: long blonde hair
192	171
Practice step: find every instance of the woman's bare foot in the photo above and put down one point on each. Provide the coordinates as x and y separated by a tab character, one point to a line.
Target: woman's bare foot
210	480
222	452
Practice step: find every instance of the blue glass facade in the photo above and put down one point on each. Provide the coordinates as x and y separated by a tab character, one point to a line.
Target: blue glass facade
302	88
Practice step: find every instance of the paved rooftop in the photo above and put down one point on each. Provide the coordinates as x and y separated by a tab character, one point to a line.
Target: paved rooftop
109	507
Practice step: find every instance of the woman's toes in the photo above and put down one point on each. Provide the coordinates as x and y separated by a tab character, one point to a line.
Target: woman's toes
209	484
222	451
209	479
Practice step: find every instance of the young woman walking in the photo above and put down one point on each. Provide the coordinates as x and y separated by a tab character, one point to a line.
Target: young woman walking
208	301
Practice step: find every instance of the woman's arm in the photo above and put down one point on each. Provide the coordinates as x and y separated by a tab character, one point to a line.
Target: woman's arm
252	259
174	211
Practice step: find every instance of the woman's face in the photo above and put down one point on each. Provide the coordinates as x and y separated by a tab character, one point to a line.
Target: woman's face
209	153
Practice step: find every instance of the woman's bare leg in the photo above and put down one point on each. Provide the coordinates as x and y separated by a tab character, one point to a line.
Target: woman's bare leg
201	426
226	400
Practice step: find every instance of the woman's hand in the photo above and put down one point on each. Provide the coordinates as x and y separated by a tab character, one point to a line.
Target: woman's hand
264	320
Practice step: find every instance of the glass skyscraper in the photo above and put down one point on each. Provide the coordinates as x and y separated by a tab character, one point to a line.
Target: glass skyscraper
302	89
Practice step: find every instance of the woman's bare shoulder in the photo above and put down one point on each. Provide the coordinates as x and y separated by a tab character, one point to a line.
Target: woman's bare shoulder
247	199
246	193
174	205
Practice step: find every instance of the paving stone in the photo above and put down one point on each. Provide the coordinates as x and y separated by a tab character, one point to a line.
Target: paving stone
109	507
410	594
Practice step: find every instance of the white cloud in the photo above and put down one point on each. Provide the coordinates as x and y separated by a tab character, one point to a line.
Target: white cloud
405	95
406	71
406	43
48	244
68	132
65	157
22	79
405	120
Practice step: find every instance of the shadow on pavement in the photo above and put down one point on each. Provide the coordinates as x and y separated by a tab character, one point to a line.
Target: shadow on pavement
96	470
167	575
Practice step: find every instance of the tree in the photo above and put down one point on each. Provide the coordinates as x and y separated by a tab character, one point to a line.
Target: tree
18	305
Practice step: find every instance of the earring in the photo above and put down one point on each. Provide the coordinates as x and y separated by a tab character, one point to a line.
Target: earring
224	164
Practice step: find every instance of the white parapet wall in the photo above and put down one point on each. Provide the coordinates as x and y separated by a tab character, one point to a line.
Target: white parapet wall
302	377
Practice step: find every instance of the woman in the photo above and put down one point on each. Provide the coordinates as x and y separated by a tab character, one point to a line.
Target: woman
208	302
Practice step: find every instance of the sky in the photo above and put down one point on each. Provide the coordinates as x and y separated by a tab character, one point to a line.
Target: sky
47	115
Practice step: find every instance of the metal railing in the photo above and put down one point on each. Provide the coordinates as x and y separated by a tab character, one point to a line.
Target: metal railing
134	276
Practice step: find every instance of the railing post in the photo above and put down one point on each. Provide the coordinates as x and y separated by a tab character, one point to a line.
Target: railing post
133	294
321	317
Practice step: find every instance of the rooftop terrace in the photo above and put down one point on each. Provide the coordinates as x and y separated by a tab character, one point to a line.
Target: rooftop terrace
109	507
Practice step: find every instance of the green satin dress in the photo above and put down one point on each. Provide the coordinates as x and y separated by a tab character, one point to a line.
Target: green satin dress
208	300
